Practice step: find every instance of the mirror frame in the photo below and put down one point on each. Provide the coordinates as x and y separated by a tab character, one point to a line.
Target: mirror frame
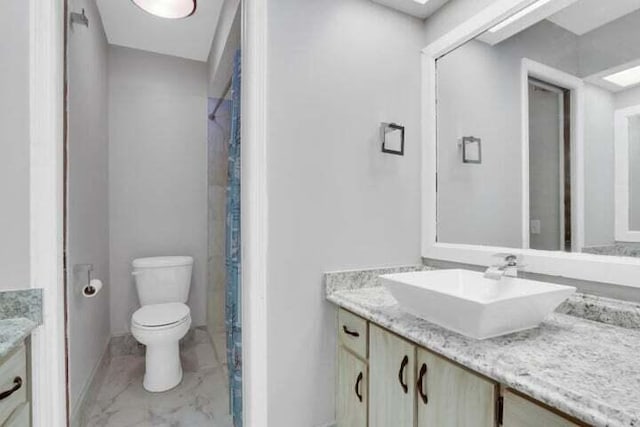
596	268
623	231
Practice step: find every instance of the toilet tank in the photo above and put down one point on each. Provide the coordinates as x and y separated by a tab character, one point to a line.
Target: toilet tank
163	279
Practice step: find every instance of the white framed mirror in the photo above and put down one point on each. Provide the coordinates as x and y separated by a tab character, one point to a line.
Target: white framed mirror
539	83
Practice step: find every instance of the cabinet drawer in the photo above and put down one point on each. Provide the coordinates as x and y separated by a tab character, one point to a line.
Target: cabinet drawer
12	368
21	417
352	331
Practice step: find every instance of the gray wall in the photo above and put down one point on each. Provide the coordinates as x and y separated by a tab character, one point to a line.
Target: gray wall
336	69
14	161
157	170
88	193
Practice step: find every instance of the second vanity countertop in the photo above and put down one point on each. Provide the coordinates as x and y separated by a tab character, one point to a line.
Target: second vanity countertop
20	313
587	369
13	332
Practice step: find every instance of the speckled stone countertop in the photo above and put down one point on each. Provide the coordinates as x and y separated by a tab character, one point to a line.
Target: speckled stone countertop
20	313
13	332
587	369
616	249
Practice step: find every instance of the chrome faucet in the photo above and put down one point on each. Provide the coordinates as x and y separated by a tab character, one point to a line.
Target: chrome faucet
507	267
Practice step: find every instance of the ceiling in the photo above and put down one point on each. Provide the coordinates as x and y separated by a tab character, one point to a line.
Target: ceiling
414	8
127	25
587	15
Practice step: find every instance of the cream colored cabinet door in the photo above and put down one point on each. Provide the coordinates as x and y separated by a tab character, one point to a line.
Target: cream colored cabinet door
391	380
521	412
449	395
352	390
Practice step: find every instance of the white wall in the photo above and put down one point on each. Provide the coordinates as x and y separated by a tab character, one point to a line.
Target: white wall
87	207
14	143
336	69
157	171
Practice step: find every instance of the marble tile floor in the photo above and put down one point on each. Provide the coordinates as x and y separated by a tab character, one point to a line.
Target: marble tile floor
200	400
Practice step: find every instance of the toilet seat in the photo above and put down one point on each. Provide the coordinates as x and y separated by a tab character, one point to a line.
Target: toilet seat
160	316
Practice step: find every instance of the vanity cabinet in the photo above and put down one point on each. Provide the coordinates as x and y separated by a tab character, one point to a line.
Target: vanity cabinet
385	380
391	379
449	395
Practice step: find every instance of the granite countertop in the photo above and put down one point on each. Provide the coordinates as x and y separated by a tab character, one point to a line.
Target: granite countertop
13	332
587	369
20	313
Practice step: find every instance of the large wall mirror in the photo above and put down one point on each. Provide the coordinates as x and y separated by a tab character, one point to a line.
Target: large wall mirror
538	131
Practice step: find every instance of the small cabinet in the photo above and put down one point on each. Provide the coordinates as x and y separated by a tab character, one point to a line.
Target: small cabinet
449	395
352	390
522	412
13	384
391	380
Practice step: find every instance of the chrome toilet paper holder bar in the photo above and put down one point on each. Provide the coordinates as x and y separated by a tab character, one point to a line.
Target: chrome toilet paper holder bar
80	269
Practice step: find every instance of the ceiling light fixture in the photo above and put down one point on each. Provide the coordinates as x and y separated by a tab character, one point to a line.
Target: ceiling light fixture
519	15
170	9
628	77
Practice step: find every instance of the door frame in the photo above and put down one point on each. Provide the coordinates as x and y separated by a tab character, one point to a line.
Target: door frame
46	68
623	232
575	85
254	213
46	145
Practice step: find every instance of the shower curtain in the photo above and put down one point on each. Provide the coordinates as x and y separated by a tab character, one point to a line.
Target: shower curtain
232	245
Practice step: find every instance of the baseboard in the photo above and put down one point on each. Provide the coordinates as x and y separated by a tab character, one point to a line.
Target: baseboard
90	389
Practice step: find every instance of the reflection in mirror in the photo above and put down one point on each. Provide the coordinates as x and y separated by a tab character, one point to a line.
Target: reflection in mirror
541	90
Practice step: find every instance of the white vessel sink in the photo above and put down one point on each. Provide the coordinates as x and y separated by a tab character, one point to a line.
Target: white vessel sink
468	303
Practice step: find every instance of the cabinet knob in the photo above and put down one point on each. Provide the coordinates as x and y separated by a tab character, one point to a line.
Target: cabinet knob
423	372
357	387
403	365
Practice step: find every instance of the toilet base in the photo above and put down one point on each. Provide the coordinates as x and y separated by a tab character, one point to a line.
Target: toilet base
163	370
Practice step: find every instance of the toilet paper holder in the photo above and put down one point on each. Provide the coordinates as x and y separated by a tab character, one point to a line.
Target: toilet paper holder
79	269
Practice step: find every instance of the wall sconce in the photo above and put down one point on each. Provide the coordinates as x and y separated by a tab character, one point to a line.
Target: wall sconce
471	150
392	136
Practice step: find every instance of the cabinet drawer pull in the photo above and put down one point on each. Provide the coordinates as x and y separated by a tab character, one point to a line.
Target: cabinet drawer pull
357	387
348	332
423	373
405	362
17	383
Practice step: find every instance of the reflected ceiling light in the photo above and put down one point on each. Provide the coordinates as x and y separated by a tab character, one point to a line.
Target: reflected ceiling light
171	9
421	1
517	16
628	77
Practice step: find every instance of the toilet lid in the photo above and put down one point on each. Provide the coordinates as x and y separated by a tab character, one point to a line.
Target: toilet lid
160	314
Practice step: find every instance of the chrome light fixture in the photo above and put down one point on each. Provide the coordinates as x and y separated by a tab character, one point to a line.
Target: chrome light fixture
170	9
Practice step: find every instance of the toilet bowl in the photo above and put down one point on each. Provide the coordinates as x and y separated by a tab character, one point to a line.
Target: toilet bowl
160	327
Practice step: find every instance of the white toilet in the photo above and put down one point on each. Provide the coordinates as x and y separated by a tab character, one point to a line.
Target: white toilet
164	318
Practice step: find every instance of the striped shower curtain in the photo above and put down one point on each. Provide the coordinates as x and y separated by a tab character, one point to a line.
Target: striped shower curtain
232	244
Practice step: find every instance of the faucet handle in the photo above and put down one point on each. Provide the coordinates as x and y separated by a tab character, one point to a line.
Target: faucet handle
511	260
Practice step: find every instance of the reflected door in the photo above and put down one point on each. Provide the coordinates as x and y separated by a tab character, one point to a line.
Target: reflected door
549	186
